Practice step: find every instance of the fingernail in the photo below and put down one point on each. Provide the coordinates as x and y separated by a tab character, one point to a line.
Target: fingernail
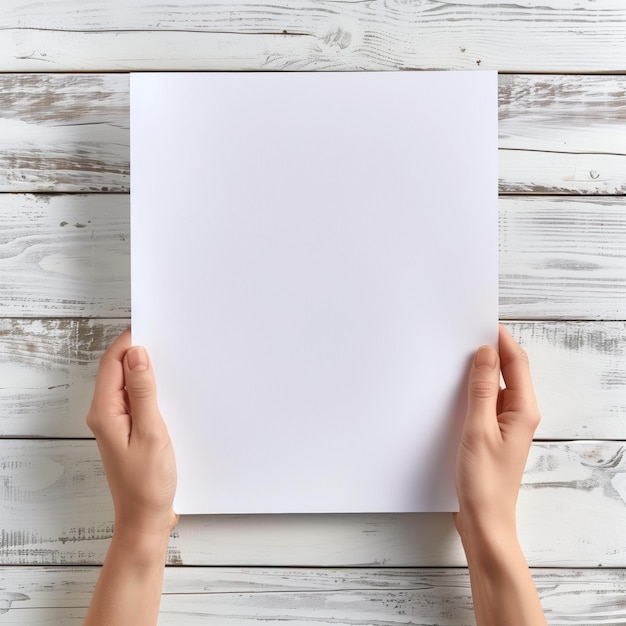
137	359
486	358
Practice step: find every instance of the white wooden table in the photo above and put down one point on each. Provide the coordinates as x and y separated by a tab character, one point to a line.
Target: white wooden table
64	284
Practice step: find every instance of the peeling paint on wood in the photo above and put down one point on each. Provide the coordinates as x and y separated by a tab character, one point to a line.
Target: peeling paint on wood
70	132
563	258
48	369
560	258
66	255
57	510
320	596
314	35
579	373
65	259
64	132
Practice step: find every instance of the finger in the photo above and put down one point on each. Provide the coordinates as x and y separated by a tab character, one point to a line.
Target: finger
110	378
519	394
141	390
483	385
515	365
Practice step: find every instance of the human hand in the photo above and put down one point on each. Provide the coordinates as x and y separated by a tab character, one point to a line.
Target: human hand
139	463
495	442
135	447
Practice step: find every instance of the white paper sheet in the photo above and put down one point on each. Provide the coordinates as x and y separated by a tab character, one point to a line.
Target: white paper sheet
314	262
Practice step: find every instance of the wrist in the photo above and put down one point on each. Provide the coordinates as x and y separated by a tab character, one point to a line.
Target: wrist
140	548
502	587
487	540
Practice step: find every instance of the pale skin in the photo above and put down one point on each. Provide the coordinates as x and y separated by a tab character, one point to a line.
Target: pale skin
138	458
497	434
139	462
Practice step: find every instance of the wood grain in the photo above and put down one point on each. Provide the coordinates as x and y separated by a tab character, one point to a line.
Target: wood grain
68	256
562	134
64	259
579	374
70	133
563	258
64	133
57	510
529	171
65	255
318	596
565	36
48	368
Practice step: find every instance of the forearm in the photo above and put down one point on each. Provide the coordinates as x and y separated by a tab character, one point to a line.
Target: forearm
502	587
128	591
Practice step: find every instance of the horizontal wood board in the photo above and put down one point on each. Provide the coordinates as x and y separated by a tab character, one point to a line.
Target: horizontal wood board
48	369
57	510
69	256
70	133
314	596
546	36
558	134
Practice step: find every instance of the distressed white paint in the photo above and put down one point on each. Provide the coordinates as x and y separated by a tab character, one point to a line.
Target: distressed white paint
559	134
528	171
563	258
69	132
68	256
319	596
557	36
64	133
48	370
579	377
536	108
569	509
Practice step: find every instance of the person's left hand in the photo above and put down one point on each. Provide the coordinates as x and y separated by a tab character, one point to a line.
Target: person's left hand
136	450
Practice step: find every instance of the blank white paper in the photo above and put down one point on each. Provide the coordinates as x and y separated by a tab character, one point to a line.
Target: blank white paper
314	263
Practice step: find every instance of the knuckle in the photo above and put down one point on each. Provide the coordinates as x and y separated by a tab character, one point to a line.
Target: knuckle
140	388
93	423
483	388
154	434
534	419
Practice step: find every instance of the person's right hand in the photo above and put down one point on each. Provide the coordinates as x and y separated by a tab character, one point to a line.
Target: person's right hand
496	438
495	442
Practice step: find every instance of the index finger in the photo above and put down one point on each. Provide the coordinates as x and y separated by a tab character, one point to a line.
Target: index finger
110	379
515	367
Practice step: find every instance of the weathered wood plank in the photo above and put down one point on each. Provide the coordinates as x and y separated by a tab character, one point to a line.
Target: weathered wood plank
526	171
562	134
563	258
68	256
70	132
318	596
48	368
579	374
565	36
595	107
57	510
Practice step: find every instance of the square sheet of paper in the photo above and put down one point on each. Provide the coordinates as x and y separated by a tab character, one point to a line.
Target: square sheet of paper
314	263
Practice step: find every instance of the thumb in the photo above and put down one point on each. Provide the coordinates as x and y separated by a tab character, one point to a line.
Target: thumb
484	384
141	389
